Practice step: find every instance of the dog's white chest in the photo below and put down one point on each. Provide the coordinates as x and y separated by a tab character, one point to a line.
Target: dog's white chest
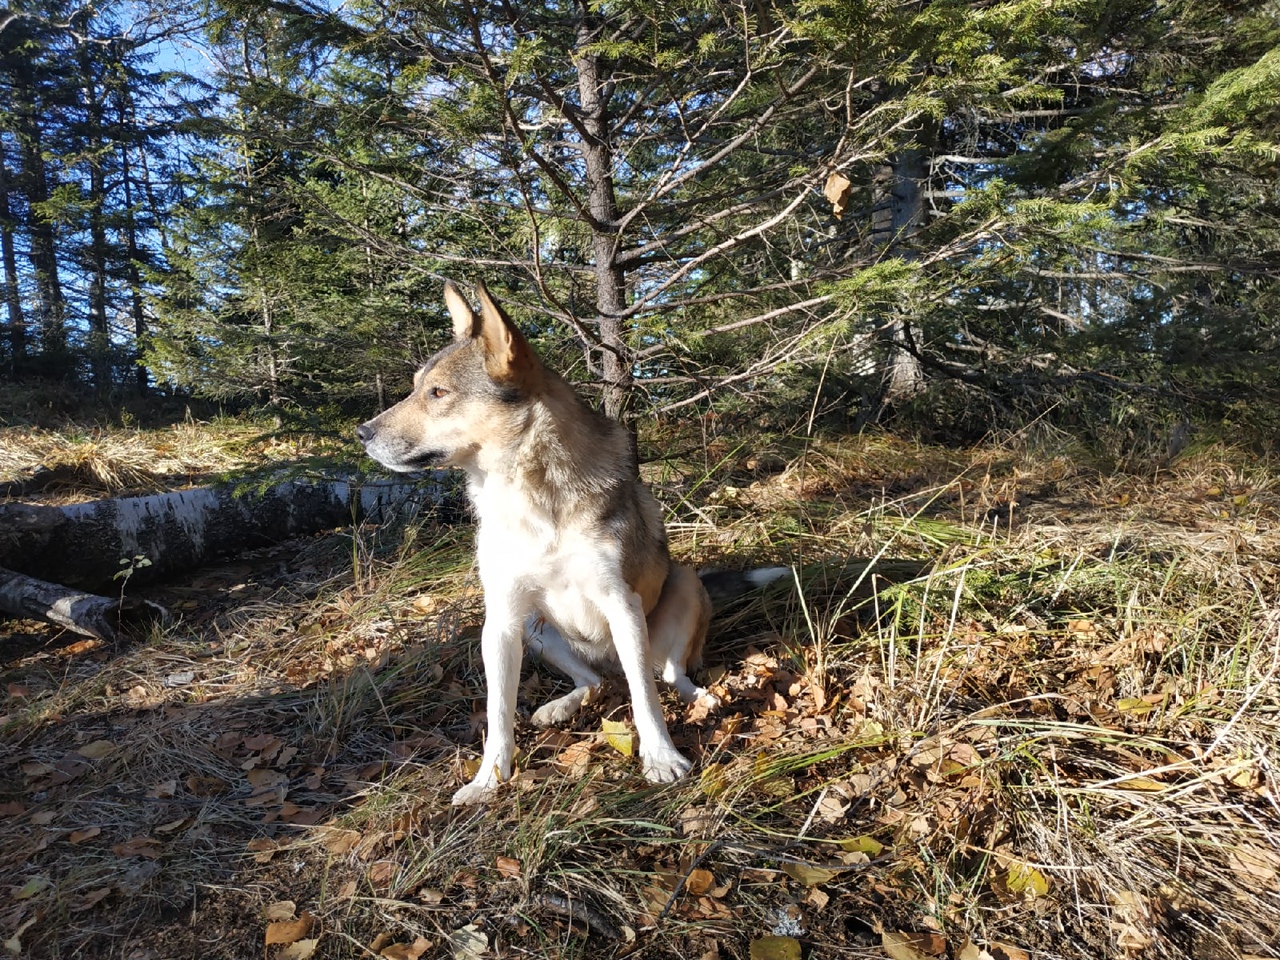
556	571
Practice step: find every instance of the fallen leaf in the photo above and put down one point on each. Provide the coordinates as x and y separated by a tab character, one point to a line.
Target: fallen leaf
775	948
509	867
406	951
14	944
96	750
263	849
811	875
280	910
90	899
913	946
137	847
863	844
299	950
1024	880
1005	951
382	873
80	836
30	888
289	931
971	951
700	881
338	841
619	736
469	943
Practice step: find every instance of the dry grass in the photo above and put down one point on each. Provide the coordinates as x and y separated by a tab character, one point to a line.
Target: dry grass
1009	706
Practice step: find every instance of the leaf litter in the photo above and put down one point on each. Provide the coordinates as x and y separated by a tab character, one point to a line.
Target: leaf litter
931	754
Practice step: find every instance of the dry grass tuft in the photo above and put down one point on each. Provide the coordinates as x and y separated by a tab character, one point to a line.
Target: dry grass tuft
1008	706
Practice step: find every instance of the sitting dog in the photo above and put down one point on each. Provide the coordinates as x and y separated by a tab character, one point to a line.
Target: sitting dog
571	546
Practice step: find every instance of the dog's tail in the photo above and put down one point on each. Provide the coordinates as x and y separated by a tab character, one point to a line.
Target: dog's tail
726	586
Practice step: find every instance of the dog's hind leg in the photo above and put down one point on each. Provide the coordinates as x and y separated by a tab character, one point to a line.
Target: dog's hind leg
546	642
678	630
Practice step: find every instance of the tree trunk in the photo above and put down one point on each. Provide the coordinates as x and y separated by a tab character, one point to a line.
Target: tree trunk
902	375
594	93
132	250
106	618
51	319
17	322
99	334
95	545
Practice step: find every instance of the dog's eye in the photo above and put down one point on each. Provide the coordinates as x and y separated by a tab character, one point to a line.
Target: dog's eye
437	392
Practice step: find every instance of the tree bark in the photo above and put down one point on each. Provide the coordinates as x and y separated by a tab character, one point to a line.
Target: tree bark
17	323
106	618
594	93
93	545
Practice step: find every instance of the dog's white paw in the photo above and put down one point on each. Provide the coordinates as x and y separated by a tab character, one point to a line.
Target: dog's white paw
475	792
559	712
706	699
665	766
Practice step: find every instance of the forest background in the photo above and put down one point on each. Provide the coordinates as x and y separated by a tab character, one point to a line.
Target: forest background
966	312
962	216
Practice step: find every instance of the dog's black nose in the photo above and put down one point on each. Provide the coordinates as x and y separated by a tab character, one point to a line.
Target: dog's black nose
364	432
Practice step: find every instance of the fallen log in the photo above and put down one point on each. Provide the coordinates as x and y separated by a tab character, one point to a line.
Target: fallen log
93	545
106	618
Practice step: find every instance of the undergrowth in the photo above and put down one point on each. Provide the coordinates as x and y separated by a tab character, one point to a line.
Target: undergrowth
1007	705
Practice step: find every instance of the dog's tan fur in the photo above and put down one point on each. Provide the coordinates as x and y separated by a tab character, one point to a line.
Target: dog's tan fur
571	546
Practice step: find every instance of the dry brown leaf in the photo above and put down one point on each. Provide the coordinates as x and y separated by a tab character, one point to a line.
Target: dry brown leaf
206	786
280	910
913	946
810	874
90	899
700	881
137	847
837	190
971	951
262	848
96	750
289	931
338	841
299	950
382	873
509	867
88	833
406	951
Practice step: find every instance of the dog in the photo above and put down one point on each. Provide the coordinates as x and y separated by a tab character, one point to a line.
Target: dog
571	547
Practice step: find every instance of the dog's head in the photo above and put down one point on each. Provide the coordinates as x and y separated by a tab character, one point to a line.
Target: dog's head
473	394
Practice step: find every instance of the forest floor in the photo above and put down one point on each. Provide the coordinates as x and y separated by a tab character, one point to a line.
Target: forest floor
1008	706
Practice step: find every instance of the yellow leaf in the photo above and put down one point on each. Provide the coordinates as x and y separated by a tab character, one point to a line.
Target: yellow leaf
30	888
811	875
1026	880
619	736
864	844
1135	705
775	948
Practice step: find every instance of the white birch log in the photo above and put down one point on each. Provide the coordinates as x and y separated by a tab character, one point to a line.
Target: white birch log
86	545
106	618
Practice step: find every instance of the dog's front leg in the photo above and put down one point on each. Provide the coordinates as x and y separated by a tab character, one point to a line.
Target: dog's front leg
501	646
661	761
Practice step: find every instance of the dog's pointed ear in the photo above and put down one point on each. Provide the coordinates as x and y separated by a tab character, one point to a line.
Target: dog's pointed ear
466	322
507	354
